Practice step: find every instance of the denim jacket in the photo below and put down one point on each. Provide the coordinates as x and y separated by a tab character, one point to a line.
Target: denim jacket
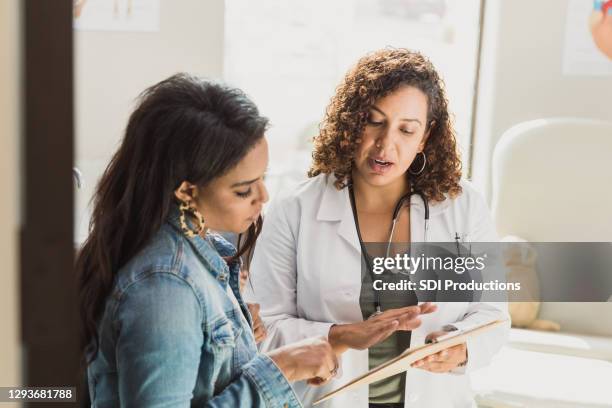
171	336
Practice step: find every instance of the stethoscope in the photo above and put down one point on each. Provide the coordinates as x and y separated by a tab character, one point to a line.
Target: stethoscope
396	211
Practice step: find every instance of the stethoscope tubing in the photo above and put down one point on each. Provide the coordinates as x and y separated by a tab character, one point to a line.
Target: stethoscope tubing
396	211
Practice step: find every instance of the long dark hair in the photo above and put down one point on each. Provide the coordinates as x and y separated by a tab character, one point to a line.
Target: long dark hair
183	129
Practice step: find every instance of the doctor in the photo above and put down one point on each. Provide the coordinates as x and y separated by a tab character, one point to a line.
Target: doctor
387	132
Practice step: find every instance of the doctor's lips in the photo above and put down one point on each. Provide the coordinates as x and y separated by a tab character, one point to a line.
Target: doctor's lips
379	164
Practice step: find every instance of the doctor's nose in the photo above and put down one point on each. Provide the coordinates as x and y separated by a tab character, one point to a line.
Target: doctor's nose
384	138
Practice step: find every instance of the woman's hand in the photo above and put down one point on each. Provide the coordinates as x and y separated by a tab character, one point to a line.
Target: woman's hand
365	334
311	359
259	330
445	360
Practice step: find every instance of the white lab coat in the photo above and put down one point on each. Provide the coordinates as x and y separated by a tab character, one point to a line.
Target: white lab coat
306	276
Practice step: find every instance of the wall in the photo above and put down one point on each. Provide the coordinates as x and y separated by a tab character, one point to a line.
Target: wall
522	79
112	68
10	373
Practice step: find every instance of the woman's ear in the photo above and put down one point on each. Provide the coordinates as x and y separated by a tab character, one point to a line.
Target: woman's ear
426	136
186	192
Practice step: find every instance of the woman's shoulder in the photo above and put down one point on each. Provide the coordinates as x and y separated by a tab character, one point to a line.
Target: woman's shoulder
306	189
470	193
305	194
164	253
470	210
170	261
469	199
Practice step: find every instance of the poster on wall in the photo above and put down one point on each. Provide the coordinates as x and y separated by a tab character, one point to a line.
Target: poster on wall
587	28
116	15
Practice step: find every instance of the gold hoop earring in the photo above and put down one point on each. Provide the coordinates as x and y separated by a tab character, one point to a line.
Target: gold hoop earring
416	173
186	208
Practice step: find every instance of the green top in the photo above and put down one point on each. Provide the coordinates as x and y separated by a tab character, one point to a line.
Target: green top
391	389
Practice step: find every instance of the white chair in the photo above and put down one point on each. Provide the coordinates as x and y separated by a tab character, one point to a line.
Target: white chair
552	182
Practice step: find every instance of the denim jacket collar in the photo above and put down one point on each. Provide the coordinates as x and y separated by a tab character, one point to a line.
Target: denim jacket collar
212	248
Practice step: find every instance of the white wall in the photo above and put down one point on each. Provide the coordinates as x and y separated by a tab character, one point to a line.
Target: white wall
522	79
521	76
10	361
112	68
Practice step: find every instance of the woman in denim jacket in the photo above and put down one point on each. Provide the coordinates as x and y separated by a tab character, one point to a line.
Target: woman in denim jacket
163	320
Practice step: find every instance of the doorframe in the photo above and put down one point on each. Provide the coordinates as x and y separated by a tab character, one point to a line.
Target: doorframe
48	286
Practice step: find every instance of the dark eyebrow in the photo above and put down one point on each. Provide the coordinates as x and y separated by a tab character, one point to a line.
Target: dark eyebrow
403	119
244	183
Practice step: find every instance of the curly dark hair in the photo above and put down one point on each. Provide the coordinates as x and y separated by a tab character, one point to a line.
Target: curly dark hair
373	77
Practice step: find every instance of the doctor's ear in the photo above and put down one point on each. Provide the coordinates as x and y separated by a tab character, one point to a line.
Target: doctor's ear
186	192
426	135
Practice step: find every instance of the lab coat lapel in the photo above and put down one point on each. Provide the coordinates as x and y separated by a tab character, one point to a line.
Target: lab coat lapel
347	228
336	206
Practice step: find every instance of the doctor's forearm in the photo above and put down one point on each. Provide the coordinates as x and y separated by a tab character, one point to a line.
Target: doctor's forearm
367	333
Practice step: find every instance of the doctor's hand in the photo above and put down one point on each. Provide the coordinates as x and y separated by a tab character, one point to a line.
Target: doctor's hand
445	360
366	334
311	359
259	330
